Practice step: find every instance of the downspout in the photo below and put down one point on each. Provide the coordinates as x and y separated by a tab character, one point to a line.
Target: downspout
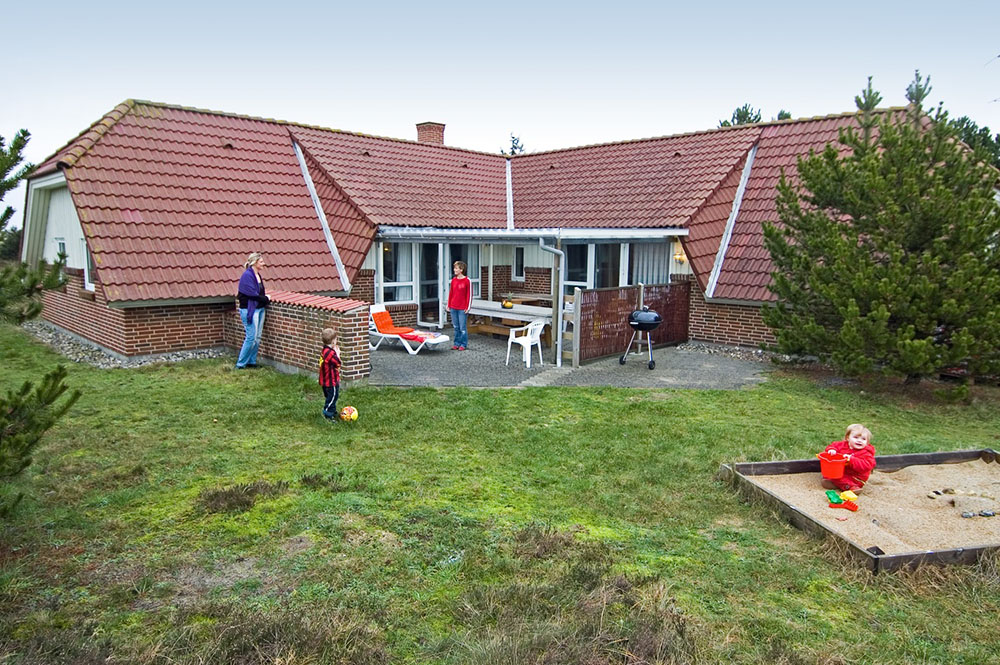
557	300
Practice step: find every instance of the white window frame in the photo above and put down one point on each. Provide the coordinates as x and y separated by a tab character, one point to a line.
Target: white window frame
88	265
515	276
413	282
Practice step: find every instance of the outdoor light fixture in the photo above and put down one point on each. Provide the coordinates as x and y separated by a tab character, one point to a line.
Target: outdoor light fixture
679	255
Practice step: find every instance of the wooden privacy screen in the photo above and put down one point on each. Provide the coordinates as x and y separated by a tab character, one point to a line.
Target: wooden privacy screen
604	328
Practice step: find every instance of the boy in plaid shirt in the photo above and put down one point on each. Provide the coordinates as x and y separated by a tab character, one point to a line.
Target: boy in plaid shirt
329	373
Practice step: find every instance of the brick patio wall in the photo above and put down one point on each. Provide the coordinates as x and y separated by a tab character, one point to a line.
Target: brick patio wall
292	335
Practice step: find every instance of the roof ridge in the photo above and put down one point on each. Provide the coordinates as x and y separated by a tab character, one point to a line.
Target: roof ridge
748	125
303	125
99	127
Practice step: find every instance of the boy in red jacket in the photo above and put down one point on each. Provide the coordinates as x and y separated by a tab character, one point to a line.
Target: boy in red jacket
329	373
860	454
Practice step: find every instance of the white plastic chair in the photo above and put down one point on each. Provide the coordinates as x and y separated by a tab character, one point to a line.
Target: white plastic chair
532	336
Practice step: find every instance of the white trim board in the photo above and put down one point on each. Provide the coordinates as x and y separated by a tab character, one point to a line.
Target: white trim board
720	256
324	224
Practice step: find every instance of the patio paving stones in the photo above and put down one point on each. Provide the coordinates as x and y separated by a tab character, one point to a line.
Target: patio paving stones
482	366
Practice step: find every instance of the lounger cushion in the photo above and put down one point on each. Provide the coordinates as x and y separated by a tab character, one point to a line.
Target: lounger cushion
383	322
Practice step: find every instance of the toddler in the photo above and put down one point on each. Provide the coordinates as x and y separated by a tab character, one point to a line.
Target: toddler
860	454
329	373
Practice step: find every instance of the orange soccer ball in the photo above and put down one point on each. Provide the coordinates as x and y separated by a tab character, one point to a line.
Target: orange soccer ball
349	413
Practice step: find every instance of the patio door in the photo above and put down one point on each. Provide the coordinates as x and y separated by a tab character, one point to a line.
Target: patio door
428	303
469	254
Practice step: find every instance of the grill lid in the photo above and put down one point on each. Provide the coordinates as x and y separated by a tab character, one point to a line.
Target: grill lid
644	319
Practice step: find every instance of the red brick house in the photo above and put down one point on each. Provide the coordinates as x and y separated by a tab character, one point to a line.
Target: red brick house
157	206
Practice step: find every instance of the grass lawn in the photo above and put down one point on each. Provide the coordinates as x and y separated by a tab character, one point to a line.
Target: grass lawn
193	514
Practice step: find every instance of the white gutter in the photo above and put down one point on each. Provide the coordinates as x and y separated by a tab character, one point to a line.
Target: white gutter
510	199
720	256
557	300
344	282
522	236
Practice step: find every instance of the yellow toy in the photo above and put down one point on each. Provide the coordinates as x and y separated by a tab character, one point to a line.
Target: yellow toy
848	495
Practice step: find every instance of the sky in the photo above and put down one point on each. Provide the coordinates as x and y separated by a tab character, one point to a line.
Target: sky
555	74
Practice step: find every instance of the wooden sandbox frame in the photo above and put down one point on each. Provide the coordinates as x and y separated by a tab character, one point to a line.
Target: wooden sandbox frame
738	475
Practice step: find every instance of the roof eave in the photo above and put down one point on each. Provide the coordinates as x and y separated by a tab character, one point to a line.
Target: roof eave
500	235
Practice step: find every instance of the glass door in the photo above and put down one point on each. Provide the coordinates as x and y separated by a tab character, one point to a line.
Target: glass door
430	278
469	254
607	265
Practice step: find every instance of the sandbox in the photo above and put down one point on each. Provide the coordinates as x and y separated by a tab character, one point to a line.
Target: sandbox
910	512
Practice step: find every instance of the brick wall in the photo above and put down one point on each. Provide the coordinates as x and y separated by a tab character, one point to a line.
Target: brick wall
537	280
132	331
292	336
739	325
404	315
363	286
501	282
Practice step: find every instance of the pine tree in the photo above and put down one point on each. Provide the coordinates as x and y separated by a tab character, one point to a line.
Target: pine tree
887	254
26	414
744	115
516	148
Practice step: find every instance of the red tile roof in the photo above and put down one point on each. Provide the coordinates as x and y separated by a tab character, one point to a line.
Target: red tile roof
402	183
747	268
649	183
172	200
318	302
352	231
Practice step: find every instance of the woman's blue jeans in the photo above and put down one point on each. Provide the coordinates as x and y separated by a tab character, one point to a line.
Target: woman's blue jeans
251	343
459	317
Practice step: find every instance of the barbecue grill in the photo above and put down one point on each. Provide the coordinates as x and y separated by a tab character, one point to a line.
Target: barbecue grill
642	320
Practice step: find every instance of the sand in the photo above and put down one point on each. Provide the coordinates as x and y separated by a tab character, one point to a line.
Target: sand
895	512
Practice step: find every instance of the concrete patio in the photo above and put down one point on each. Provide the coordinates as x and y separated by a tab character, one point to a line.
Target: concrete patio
482	365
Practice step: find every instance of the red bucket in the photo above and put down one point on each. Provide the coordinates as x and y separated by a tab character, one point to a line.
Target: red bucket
831	465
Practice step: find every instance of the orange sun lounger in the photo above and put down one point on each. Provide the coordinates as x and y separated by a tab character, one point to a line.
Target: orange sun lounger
380	326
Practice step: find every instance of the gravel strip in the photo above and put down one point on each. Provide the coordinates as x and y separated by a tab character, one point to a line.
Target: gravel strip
81	352
745	353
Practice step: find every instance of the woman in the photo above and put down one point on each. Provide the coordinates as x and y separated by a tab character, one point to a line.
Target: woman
253	302
459	302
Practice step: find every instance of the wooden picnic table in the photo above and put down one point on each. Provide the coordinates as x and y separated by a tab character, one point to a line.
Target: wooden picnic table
521	313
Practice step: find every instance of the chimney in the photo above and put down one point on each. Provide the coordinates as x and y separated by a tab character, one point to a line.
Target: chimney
430	132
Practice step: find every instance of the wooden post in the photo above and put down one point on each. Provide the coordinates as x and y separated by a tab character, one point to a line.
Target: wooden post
491	273
576	326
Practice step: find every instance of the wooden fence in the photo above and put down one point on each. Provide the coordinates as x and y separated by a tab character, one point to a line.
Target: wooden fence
601	324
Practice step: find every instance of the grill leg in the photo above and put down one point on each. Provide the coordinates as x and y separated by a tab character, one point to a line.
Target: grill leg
649	345
621	361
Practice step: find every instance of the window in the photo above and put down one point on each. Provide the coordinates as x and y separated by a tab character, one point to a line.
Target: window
649	263
60	246
576	257
89	268
517	271
397	272
469	254
607	263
